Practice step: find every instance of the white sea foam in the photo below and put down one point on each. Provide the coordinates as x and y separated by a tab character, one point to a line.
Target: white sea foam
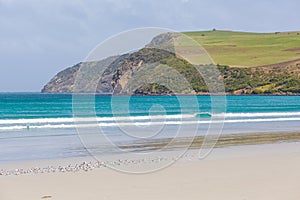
141	118
64	123
91	119
266	114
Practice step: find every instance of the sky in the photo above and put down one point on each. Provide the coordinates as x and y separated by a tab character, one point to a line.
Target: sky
39	38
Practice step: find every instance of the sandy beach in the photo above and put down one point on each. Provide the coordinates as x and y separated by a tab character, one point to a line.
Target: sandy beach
269	171
149	100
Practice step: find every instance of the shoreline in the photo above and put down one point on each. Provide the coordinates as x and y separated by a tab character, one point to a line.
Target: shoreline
89	163
167	95
154	95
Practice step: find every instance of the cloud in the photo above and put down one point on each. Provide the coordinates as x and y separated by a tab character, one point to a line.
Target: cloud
46	36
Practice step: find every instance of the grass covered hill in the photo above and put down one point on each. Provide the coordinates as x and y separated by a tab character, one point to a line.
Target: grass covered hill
249	63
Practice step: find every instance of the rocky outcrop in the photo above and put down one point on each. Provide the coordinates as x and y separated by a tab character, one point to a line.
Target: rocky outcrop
63	82
111	74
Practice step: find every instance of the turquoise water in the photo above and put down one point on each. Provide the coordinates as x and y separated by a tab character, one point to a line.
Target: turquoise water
35	106
41	126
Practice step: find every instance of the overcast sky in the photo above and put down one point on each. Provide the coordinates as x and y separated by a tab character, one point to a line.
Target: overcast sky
41	37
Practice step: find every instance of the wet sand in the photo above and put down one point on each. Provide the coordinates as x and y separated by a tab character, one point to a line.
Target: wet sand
268	171
255	166
216	141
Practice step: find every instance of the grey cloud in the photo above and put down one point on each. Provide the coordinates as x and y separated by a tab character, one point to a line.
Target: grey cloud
43	37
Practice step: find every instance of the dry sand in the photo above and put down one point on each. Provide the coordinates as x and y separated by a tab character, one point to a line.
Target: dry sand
266	172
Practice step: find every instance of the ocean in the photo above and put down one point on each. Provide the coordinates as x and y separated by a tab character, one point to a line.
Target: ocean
36	126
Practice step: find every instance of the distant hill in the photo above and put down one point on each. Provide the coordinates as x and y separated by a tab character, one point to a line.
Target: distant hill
250	63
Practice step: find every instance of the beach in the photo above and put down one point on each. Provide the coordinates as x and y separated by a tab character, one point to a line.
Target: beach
204	104
46	153
269	171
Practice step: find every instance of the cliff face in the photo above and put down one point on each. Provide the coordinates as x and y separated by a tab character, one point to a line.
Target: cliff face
63	82
114	79
118	70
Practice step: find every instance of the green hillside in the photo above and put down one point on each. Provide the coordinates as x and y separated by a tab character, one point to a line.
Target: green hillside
249	49
249	63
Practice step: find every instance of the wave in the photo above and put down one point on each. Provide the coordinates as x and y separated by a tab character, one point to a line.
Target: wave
88	124
265	114
145	118
91	119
